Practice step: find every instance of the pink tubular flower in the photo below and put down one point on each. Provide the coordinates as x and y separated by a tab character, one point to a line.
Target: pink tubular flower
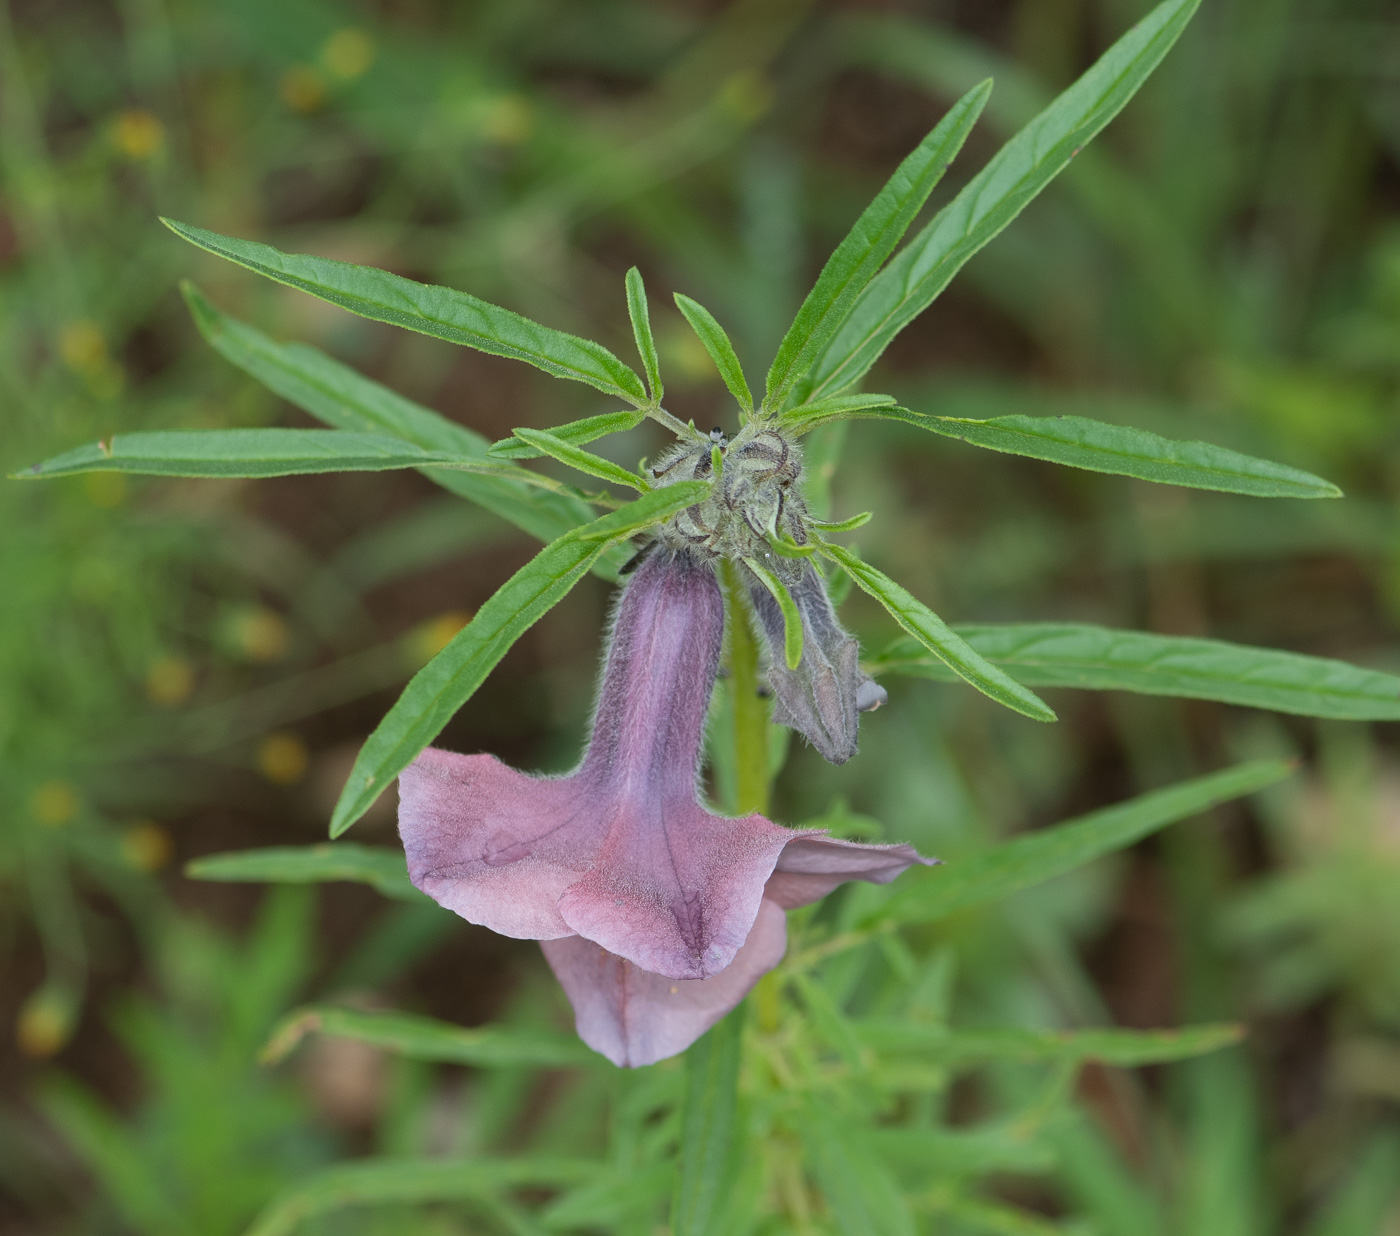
656	915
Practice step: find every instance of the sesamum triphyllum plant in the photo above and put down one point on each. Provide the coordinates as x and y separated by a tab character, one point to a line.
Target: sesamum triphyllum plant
656	913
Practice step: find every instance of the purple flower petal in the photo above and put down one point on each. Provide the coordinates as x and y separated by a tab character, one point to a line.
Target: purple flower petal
635	1018
811	865
619	851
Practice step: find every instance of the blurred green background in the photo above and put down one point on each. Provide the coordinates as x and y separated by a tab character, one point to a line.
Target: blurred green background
188	667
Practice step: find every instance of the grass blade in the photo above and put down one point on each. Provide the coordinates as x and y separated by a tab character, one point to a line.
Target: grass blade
721	351
382	868
1125	1048
1095	446
863	1196
994	197
449	679
641	331
369	1182
1063	654
869	243
575	433
925	895
709	1118
443	313
425	1038
583	461
935	635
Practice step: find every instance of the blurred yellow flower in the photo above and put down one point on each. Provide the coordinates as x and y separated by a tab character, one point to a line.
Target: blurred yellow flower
426	641
282	758
82	346
259	633
507	119
138	133
45	1023
303	89
348	53
147	846
169	681
54	803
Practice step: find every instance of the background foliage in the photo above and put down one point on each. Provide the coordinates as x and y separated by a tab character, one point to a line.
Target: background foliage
188	666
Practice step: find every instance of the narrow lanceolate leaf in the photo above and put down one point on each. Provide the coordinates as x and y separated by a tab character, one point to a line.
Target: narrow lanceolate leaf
995	196
792	619
1127	1048
931	631
378	866
449	679
375	1182
425	1038
869	243
721	351
863	1196
808	416
641	331
575	433
1079	442
583	461
345	399
929	894
244	453
709	1124
1065	654
441	312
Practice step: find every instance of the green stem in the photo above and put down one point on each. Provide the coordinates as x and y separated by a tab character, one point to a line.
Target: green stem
750	711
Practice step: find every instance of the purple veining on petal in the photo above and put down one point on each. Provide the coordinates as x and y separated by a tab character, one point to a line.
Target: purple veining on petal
822	697
619	851
634	1017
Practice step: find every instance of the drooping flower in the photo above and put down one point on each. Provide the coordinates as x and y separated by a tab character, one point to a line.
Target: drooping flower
657	915
823	696
757	500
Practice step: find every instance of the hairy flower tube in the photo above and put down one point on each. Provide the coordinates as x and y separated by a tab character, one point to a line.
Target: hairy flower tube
656	915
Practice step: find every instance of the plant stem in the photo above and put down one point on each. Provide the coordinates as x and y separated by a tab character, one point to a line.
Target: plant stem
750	712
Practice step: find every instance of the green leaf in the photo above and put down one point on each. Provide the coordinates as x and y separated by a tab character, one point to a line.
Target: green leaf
616	1200
792	618
931	631
443	313
993	198
808	416
843	525
641	330
369	1182
933	893
378	866
576	433
865	1199
233	453
1066	654
709	1120
870	241
345	399
1078	442
721	351
425	1038
1126	1048
1005	1146
449	679
583	461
